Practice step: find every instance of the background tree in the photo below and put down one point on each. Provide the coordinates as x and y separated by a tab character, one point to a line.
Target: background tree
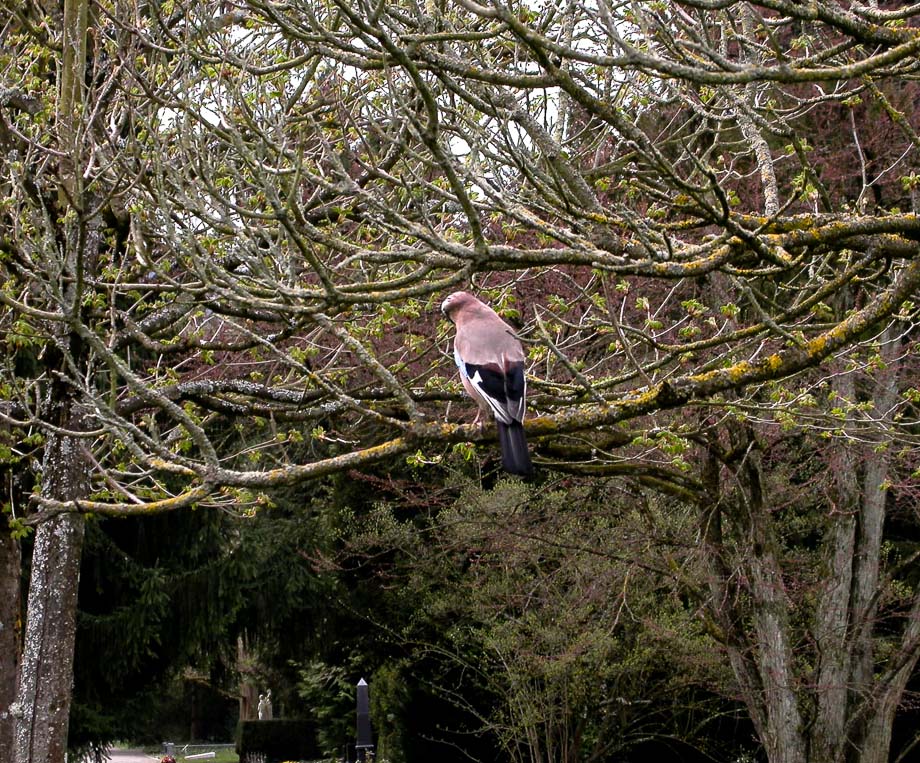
178	611
541	616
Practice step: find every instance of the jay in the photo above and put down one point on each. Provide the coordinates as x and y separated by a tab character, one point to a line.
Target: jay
491	362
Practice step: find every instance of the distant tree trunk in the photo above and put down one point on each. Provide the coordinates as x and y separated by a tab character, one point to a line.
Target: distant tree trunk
771	617
875	694
832	620
10	603
249	693
46	677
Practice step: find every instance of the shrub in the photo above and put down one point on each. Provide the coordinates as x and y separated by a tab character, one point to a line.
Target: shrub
277	740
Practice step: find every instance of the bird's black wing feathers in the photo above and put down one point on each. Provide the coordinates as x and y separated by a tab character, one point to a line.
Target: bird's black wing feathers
504	391
491	381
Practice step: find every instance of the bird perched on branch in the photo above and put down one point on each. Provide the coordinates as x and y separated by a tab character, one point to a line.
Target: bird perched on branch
491	362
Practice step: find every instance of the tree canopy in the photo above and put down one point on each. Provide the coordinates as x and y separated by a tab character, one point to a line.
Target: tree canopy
280	195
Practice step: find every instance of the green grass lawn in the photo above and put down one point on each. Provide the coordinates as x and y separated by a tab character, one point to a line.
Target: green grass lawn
223	755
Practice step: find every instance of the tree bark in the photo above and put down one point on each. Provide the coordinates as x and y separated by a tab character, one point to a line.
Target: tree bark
832	624
874	698
783	741
47	666
46	677
876	742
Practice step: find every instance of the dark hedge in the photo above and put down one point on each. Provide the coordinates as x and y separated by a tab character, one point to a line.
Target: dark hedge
278	740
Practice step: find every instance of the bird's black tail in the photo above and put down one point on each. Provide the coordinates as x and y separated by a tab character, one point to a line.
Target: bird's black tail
515	455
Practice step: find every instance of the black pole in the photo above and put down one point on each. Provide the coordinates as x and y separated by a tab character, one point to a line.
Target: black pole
365	741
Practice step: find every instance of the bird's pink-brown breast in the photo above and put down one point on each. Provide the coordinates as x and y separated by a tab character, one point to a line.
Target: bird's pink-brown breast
486	340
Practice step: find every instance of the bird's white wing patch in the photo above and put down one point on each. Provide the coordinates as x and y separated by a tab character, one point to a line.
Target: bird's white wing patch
498	409
459	361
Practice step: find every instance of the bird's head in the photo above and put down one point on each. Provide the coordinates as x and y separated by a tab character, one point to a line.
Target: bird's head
456	301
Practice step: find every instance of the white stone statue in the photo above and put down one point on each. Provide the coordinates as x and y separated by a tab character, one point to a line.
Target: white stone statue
265	706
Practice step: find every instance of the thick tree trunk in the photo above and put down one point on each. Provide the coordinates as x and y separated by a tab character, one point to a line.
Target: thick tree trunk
874	697
832	623
46	678
783	740
10	613
47	664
